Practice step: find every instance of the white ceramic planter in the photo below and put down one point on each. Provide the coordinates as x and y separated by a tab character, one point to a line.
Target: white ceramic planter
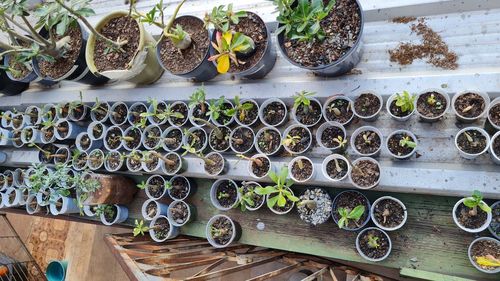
354	164
469	230
436	118
401	157
303	158
468	155
172	233
395	200
374	116
469	253
121	215
161	209
331	158
68	206
464	119
265	104
213	195
358	248
397	118
364	129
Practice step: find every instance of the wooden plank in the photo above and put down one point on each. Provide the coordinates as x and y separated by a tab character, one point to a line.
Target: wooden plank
425	275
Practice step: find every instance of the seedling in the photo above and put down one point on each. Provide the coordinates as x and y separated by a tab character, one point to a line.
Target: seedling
431	100
407	142
228	45
474	201
98	107
215	108
215	232
257	161
107	210
373	241
217	131
303	99
192	150
280	190
338	103
221	18
341	141
142	185
147	158
310	204
346	215
223	195
140	228
246	198
46	153
239	107
291	141
405	101
198	98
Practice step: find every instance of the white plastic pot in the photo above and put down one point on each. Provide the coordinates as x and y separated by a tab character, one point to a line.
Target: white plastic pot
2	204
162	183
191	130
374	116
144	137
105	118
129	166
6	122
463	119
161	209
39	197
494	157
45	112
358	247
185	117
231	136
330	100
68	206
19	125
121	215
364	129
29	209
90	130
260	132
216	123
27	116
73	130
222	170
155	168
254	208
5	137
325	126
436	118
489	217
492	104
35	136
354	164
17	199
191	117
172	233
249	166
212	133
151	120
294	113
331	158
287	131
19	175
106	145
303	158
469	253
43	139
87	210
213	195
94	144
182	165
392	199
397	118
401	157
165	134
171	217
190	191
72	117
256	105
468	155
141	140
280	212
63	150
106	164
113	119
91	154
208	233
265	104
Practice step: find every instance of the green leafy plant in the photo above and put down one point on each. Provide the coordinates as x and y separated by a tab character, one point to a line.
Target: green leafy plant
373	241
278	193
228	45
242	108
405	101
215	108
198	98
407	142
85	186
247	197
300	19
107	210
161	115
346	215
221	18
476	201
303	98
140	228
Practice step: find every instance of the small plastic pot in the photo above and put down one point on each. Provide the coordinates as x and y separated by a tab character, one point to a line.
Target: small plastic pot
217	123
35	136
250	170
277	212
172	233
374	116
191	130
151	119
28	114
265	104
155	169
19	175
161	209
112	117
468	155
469	254
49	112
212	133
179	170
145	134
6	122
79	167
18	125
436	118
164	135
213	194
363	129
94	116
190	185
107	166
29	209
17	198
250	208
368	209
120	143
234	225
325	126
129	165
262	131
185	119
94	144
358	247
68	206
494	157
192	118
9	174
303	158
223	170
162	184
73	130
133	113
5	137
256	105
87	210
489	125
372	215
493	206
375	184
84	115
331	158
90	130
190	215
46	140
126	134
397	118
61	151
231	136
294	113
464	119
89	162
489	217
401	157
287	132
39	196
121	215
2	204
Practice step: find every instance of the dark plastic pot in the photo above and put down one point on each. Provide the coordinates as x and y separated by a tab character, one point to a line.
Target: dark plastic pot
344	64
81	73
265	64
205	71
9	87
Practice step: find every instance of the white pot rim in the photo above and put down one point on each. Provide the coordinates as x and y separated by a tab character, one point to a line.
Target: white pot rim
497	270
369	159
188	185
106	145
166	132
152	231
260	132
169	213
280	212
412	135
482	131
141	138
249	166
294	113
388	108
395	200
144	136
148	194
186	117
492	104
492	140
331	99
163	164
330	158
209	236
213	197
250	208
287	131
265	104
205	143
290	165
112	109
485	97
358	247
216	123
362	129
242	101
439	91
371	93
469	230
144	210
231	137
323	127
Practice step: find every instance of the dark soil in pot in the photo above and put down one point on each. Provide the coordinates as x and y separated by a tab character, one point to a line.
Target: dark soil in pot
302	169
433	109
394	146
113	137
173	139
308	115
365	173
85	142
101	112
215	167
97	131
220	144
469	105
256	198
62	65
225	230
151	162
472	142
17	120
349	201
389	213
288	206
64	110
200	112
242	139
374	252
81	161
135	161
61	157
495	221
248	116
261	170
182	109
184	61
33	114
153	137
172	167
160	109
335	172
122	28
152	209
156	187
314	206
180	188
79	111
226	194
367	142
367	104
135	134
339	110
396	110
16	137
161	228
49	148
496	146
484	248
341	26
180	212
96	159
274	113
269	141
304	139
113	159
494	114
468	219
330	135
197	138
120	113
48	132
135	113
223	118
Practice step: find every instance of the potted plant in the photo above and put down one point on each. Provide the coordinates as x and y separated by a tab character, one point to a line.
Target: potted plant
242	139
472	142
96	130
118	113
470	106
63	205
180	113
401	144
367	106
158	112
45	152
495	148
259	165
132	138
195	138
351	210
172	163
321	36
224	194
335	167
180	188
306	109
221	231
332	135
84	143
388	213
32	206
134	161
18	121
301	169
113	138
249	199
338	108
493	122
314	206
113	161
49	112
5	137
273	112
79	160
67	130
151	137
241	43
218	139
245	111
219	109
155	187
494	226
484	255
62	156
268	141
297	139
152	208
367	141
279	197
432	104
180	213
373	244
30	135
112	214
472	214
12	197
78	111
95	160
19	175
16	139
172	138
100	111
198	107
33	115
160	229
365	173
136	114
8	86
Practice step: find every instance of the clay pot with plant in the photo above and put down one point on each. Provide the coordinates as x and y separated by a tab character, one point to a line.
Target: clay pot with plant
333	136
401	144
259	165
321	36
100	111
218	138
180	187
198	107
297	139
152	137
279	197
314	206
241	43
367	141
472	214
351	210
432	104
245	111
136	114
132	138
335	167
224	194
172	138
113	138
242	139
373	244
367	106
134	161
306	109
365	173
118	113
113	161
472	142
301	169
273	112
172	163
195	138
180	213
249	199
389	213
268	141
338	108
152	208
484	254
470	106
